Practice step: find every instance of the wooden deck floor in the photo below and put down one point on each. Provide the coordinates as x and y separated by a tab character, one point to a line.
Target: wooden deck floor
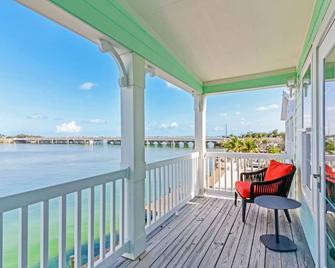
208	232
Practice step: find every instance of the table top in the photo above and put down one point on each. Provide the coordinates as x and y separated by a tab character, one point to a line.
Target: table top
276	202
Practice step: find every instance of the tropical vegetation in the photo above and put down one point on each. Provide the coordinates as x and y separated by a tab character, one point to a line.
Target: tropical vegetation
255	142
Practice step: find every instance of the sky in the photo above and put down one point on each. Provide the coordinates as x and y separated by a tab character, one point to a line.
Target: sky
54	82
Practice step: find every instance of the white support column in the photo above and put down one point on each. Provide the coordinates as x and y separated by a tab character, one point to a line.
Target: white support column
200	141
132	152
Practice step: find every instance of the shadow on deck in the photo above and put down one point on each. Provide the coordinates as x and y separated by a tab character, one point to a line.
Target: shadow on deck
208	232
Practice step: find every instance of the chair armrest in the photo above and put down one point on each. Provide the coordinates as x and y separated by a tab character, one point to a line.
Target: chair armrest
253	176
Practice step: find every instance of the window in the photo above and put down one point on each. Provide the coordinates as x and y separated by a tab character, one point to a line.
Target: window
307	128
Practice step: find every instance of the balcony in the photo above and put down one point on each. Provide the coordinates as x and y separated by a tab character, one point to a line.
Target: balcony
178	211
208	232
181	229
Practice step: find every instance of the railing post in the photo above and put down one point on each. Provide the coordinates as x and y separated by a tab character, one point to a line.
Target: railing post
200	141
132	152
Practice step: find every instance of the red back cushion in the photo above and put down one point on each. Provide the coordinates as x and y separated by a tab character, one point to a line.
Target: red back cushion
330	175
276	170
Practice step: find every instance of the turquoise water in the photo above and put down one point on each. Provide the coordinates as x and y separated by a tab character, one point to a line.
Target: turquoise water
25	167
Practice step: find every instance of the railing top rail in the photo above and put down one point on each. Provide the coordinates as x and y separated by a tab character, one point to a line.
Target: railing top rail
171	160
330	157
19	200
247	155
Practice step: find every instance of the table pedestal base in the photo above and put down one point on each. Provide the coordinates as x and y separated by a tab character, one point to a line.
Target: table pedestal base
285	244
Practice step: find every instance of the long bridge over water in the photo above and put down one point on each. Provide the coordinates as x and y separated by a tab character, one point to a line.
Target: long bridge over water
177	141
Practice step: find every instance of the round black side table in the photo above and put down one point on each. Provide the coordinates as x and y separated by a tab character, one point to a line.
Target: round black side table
277	242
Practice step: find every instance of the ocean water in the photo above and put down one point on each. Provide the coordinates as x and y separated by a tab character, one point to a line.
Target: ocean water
25	167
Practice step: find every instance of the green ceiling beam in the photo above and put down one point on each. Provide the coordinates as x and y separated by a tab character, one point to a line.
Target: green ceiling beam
258	81
320	9
111	19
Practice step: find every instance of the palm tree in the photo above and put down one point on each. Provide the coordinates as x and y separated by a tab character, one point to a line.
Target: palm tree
249	146
234	144
330	147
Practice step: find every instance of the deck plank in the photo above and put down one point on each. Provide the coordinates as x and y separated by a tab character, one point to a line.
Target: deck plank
200	249
272	258
202	235
173	234
304	256
288	259
190	235
242	254
208	232
257	259
215	249
228	253
186	215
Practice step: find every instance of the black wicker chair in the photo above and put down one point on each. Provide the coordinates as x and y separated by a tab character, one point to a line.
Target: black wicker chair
280	186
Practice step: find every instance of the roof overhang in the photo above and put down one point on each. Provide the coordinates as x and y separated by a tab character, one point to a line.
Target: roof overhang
202	46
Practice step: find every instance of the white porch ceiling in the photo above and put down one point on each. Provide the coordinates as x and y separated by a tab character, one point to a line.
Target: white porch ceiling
219	39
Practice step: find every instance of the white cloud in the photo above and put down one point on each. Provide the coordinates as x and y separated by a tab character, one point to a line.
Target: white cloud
96	121
37	116
170	85
237	113
243	119
223	114
331	108
70	127
268	107
168	126
87	85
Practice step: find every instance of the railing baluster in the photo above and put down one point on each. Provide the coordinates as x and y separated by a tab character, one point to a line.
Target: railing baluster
225	173
62	232
44	236
102	220
1	239
173	185
176	174
219	173
252	164
164	184
112	217
155	194
159	192
169	187
182	176
231	174
122	211
207	172
238	167
90	245
77	230
185	179
149	198
23	236
176	166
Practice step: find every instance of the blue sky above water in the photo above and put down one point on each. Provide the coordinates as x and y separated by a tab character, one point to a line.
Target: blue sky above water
54	82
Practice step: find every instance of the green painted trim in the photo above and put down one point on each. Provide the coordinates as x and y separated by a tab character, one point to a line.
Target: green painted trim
243	84
319	12
111	19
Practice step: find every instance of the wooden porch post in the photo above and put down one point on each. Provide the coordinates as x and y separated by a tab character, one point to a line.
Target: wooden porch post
200	141
132	151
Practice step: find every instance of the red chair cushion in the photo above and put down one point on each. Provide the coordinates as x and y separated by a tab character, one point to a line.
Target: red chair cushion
243	188
276	170
330	175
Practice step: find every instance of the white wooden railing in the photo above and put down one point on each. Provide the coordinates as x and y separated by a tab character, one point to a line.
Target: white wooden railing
330	160
224	168
169	185
82	191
